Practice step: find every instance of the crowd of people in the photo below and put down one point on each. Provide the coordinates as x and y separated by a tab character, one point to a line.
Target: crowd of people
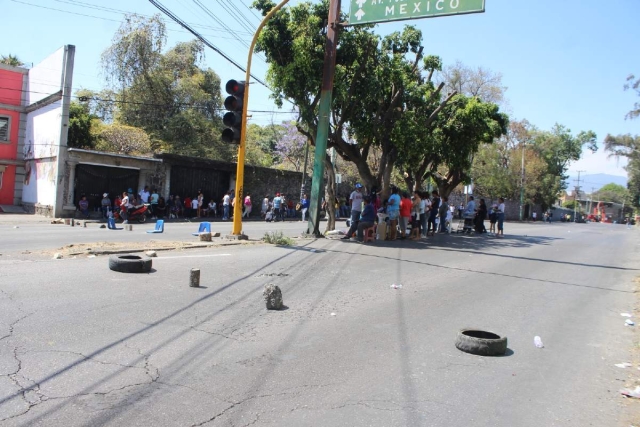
425	213
276	208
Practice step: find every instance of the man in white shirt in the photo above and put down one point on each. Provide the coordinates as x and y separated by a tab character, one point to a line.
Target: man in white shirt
194	205
226	201
144	194
356	203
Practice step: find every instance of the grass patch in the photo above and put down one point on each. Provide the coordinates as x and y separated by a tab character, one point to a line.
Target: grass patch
277	238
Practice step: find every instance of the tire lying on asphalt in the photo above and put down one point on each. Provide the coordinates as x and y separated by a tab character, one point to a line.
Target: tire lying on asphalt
127	263
481	343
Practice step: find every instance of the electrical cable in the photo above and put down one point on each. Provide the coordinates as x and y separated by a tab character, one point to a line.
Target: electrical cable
202	39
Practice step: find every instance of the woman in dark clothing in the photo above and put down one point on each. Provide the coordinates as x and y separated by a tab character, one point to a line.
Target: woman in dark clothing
161	208
481	215
433	213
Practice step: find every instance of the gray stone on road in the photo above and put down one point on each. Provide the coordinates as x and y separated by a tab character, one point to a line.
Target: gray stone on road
83	345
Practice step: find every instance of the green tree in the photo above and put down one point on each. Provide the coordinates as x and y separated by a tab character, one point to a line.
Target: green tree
445	154
633	84
11	60
558	148
80	121
612	193
123	139
169	95
377	82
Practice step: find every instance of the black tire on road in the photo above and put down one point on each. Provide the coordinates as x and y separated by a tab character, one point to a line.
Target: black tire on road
128	263
481	343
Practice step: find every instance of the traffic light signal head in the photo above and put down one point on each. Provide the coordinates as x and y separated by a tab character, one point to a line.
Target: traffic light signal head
233	119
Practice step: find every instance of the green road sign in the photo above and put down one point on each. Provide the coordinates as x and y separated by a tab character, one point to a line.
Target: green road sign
370	11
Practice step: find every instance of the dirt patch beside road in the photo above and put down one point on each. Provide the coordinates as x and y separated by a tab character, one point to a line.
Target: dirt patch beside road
107	248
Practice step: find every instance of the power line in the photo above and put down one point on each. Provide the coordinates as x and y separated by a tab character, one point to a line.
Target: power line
120	21
202	39
148	104
232	4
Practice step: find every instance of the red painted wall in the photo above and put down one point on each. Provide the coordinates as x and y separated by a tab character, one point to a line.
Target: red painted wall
8	151
8	185
11	94
11	87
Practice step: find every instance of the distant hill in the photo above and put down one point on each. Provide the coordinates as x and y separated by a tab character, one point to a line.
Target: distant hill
593	182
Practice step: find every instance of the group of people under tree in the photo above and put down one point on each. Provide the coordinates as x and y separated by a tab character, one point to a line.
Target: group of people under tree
426	213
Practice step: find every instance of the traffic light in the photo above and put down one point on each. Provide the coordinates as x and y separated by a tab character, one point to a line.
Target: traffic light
233	119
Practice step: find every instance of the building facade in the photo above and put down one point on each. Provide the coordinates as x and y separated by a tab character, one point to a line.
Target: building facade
34	120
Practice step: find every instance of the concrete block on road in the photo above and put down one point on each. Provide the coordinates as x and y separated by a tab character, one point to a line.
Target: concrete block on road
194	278
205	237
273	297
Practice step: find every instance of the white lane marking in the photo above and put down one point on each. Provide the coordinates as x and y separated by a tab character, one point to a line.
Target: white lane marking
190	256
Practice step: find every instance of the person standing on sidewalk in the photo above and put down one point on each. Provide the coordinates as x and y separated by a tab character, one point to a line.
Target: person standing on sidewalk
265	206
442	211
105	205
200	203
435	206
356	203
500	218
304	206
405	214
144	194
247	206
226	201
153	200
278	207
125	205
393	210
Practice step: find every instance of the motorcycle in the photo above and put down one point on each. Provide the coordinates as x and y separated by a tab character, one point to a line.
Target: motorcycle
137	213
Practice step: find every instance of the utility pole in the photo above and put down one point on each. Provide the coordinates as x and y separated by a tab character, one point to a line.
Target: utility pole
593	190
324	114
522	185
575	197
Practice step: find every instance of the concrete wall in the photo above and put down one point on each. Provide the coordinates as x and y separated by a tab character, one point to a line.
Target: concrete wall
260	182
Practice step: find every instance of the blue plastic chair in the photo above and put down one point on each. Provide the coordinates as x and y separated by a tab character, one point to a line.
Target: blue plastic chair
159	227
205	227
111	224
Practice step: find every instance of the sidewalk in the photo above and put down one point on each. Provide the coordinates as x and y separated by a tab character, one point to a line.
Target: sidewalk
23	218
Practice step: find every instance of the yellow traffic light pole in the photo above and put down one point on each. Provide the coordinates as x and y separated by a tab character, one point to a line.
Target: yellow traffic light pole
239	193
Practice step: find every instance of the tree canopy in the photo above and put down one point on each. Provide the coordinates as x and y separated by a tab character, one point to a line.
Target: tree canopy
379	83
11	60
634	85
167	94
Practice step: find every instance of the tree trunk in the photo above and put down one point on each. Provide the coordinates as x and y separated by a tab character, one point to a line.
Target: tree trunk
386	176
330	195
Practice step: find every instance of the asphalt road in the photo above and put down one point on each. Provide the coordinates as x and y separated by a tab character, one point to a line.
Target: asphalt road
81	345
41	235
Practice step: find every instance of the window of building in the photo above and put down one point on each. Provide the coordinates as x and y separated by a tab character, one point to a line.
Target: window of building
4	129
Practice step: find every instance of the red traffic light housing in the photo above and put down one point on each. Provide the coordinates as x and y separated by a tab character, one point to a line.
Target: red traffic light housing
233	119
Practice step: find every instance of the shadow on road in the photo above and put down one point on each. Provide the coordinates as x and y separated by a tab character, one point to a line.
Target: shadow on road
349	249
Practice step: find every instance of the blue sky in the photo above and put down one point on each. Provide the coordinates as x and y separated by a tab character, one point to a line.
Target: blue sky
562	61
